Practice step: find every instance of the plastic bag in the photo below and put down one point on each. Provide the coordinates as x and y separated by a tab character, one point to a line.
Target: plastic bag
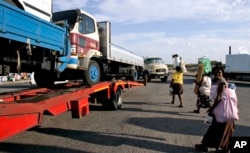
227	109
206	64
183	67
208	120
213	92
170	91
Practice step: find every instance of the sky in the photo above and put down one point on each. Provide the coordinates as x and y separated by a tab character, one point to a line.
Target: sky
160	28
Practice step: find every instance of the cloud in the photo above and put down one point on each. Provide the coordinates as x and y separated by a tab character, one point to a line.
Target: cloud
149	11
141	11
191	28
192	48
59	5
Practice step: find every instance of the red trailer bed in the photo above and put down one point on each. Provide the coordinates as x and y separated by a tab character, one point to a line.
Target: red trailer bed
23	110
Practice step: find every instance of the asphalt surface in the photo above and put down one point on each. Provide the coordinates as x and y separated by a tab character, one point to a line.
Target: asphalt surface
147	123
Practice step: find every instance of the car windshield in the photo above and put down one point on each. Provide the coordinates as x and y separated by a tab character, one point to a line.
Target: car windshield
153	61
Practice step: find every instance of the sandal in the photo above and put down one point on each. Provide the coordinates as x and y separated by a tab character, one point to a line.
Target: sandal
180	106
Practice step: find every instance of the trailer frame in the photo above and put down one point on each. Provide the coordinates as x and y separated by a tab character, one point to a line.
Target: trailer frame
20	111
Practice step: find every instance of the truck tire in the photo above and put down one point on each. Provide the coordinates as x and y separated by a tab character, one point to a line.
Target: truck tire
116	100
164	79
93	74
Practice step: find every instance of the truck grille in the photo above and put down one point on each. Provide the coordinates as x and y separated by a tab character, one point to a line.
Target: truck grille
160	70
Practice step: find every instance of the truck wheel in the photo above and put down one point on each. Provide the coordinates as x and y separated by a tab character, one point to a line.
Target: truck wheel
164	79
116	100
134	75
93	74
44	78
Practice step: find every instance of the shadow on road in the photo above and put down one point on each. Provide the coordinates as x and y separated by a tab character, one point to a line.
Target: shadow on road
31	148
99	138
113	139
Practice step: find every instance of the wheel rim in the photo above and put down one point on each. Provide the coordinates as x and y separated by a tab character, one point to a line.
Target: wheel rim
136	76
119	100
93	73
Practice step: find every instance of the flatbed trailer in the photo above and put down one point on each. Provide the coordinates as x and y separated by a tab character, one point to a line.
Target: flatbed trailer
20	111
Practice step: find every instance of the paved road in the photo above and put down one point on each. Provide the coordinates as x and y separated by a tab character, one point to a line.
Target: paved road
147	123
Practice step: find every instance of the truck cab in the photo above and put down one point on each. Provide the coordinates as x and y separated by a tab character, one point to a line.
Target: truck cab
156	68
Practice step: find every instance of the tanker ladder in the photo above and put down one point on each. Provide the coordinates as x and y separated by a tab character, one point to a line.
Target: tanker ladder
23	110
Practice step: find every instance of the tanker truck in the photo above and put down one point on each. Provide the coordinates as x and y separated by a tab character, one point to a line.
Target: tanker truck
65	45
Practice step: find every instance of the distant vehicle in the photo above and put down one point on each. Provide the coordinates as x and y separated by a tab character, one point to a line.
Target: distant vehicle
156	68
237	66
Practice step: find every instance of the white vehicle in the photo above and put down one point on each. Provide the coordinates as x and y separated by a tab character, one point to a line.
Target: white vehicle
156	68
238	66
40	8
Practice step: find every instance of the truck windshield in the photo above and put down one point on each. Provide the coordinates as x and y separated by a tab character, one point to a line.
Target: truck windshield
72	16
86	23
153	61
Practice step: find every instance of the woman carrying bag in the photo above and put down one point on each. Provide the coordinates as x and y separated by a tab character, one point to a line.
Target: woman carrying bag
218	134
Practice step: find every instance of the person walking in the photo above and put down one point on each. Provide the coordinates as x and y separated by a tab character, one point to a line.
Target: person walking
203	97
177	85
218	134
